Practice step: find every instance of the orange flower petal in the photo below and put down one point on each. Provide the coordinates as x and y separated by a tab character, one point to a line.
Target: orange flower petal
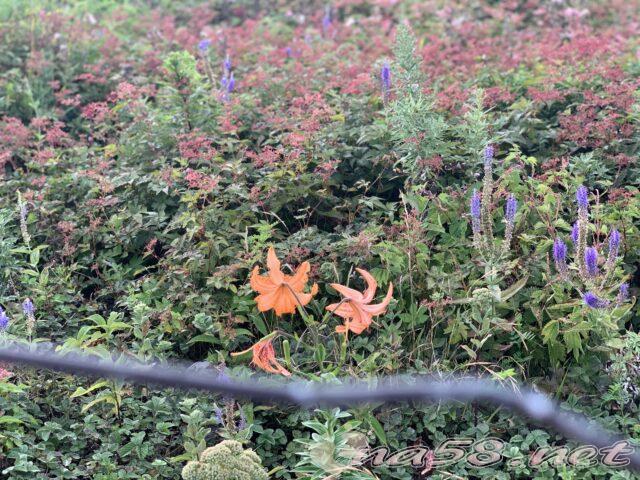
343	310
347	292
298	281
268	300
273	265
380	307
260	283
360	315
355	327
264	357
372	285
355	308
280	369
285	301
279	292
305	298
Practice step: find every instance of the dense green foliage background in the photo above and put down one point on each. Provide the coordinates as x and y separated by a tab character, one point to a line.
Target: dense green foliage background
147	195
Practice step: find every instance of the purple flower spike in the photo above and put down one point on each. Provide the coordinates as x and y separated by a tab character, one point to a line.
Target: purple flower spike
385	81
217	415
204	45
23	212
623	294
27	308
592	300
574	233
511	208
489	151
559	250
591	261
560	256
582	197
614	242
475	205
4	320
232	83
385	76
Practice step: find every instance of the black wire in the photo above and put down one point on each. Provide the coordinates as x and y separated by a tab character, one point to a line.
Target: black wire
523	401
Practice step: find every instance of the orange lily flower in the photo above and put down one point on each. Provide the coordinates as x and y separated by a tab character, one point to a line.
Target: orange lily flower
264	356
356	307
278	291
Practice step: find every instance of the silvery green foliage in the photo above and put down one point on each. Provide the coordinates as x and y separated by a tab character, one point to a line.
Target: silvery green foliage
226	461
407	58
416	128
474	130
334	450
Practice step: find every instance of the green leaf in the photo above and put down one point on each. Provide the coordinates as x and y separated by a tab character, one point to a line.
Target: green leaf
8	419
260	325
204	338
6	387
513	289
94	402
550	331
377	428
34	257
80	391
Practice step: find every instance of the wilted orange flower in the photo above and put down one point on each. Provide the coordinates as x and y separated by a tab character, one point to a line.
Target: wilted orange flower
355	308
264	356
278	291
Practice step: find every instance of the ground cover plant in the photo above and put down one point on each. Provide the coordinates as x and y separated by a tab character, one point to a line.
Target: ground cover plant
318	191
